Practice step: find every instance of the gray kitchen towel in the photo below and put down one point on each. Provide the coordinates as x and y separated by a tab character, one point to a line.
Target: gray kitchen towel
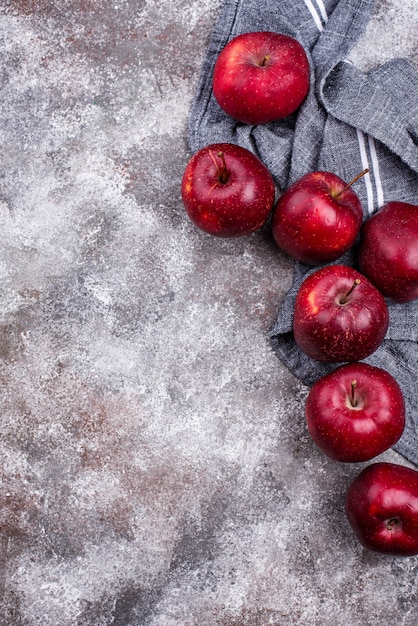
350	120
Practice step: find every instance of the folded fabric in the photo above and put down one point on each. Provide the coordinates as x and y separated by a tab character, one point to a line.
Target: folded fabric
350	121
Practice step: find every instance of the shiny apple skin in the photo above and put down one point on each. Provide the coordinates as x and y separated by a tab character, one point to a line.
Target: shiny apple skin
311	224
388	251
256	93
355	412
329	331
382	508
236	207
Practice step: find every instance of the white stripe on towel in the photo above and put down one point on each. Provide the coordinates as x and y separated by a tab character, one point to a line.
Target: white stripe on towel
314	14
322	10
360	135
376	172
365	164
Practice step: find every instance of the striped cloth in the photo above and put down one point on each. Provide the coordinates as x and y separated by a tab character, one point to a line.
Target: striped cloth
350	121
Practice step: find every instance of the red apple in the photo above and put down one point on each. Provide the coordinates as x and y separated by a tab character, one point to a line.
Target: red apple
227	191
318	218
355	413
382	508
339	315
260	77
388	250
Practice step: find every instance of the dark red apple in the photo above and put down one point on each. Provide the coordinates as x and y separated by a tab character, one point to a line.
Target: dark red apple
339	315
318	218
388	250
227	191
260	77
382	508
356	412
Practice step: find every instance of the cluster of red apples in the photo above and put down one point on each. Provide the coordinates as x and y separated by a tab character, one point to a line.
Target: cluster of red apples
341	316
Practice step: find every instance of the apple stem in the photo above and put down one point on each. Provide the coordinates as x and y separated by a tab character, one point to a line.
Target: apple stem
344	299
390	524
353	393
223	172
263	63
355	179
221	169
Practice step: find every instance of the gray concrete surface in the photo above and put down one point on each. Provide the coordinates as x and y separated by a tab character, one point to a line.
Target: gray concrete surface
155	465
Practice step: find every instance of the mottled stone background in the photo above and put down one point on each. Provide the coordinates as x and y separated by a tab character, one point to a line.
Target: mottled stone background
156	469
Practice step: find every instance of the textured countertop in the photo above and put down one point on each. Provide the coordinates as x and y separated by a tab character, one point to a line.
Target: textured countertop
155	465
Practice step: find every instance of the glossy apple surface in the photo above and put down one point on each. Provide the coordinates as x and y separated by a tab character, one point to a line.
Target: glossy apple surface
260	77
317	219
388	251
339	315
227	191
382	508
355	413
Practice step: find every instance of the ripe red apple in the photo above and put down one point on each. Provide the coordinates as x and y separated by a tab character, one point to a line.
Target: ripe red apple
260	77
355	412
339	315
227	191
382	508
318	218
388	250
